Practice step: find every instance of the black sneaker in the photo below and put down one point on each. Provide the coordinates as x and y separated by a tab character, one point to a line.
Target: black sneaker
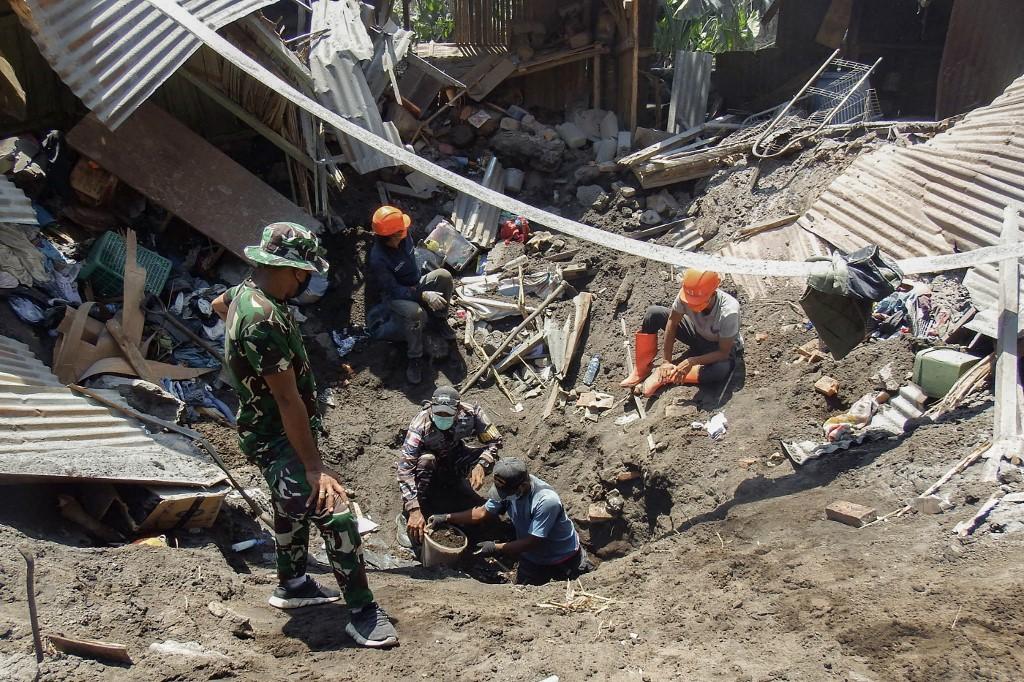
308	593
414	370
371	627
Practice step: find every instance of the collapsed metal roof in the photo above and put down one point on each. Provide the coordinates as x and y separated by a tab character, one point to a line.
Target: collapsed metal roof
15	207
47	432
946	194
114	53
340	83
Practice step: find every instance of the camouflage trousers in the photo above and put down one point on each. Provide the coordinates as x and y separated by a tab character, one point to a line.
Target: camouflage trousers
289	491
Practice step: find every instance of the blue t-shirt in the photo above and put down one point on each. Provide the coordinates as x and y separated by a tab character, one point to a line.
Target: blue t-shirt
540	513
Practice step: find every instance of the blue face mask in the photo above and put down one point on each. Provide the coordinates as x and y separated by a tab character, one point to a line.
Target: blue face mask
443	423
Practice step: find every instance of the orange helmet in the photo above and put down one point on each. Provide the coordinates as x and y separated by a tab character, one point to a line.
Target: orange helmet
698	288
388	220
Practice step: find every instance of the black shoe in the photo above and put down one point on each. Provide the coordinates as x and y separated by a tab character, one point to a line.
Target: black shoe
308	593
371	627
444	329
414	370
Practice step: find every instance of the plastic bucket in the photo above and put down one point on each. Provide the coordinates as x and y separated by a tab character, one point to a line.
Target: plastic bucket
435	554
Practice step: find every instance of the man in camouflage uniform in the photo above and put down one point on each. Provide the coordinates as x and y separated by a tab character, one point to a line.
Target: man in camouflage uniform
277	421
437	471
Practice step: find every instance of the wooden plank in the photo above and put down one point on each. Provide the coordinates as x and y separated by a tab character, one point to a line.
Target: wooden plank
1007	435
91	648
134	290
178	170
497	71
764	226
658	147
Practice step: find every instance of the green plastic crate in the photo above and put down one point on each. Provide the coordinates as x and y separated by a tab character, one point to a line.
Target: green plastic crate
105	266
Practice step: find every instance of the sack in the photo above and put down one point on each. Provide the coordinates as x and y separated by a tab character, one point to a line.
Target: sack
839	301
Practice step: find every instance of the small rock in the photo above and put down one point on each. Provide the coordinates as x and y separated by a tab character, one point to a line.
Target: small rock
588	194
931	504
509	123
627	192
598	513
761	337
650	217
827	386
585	175
680	411
238	624
627	476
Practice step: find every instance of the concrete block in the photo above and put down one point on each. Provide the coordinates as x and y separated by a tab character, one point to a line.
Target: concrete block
624	142
514	180
604	150
851	514
509	123
585	175
572	135
610	126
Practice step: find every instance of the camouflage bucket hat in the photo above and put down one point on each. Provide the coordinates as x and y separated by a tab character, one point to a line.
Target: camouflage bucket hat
291	246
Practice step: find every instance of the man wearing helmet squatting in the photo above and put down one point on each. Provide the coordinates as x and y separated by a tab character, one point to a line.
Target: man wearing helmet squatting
407	301
267	364
703	317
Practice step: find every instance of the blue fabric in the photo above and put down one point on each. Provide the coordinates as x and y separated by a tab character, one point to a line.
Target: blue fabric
392	272
540	513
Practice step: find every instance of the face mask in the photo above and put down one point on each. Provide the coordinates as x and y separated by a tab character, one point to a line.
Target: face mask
443	423
303	286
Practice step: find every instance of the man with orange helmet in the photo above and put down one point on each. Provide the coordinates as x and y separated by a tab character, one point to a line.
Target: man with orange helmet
703	317
407	300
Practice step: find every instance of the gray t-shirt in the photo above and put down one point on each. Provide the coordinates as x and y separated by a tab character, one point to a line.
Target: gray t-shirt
719	321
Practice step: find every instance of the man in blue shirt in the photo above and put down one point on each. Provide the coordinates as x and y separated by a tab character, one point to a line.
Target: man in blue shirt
546	543
406	300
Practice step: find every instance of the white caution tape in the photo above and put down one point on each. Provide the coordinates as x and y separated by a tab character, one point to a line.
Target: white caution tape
633	247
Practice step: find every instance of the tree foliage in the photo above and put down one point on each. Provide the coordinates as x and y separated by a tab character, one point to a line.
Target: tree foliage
709	25
432	20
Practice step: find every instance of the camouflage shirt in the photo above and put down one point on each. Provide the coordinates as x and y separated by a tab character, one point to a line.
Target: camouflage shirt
262	338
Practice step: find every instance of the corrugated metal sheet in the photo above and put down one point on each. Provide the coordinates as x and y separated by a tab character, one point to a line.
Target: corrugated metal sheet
925	200
476	220
340	84
785	243
49	432
691	82
15	207
982	54
114	53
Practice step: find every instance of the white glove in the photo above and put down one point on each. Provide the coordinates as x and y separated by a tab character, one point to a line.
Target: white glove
434	300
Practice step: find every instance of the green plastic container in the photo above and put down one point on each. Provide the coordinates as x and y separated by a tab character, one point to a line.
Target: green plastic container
105	266
937	369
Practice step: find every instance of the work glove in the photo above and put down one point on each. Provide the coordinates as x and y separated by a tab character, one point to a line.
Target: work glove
434	300
435	520
487	548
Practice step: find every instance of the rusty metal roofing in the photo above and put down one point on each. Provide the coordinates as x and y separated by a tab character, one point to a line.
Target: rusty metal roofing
340	83
47	432
15	207
789	241
946	194
114	53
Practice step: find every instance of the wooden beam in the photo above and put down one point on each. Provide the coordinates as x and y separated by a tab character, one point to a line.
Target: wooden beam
658	147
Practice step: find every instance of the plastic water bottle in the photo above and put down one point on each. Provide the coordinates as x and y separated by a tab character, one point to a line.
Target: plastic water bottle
592	367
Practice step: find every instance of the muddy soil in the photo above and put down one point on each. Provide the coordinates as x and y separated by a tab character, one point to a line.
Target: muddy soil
448	537
721	565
